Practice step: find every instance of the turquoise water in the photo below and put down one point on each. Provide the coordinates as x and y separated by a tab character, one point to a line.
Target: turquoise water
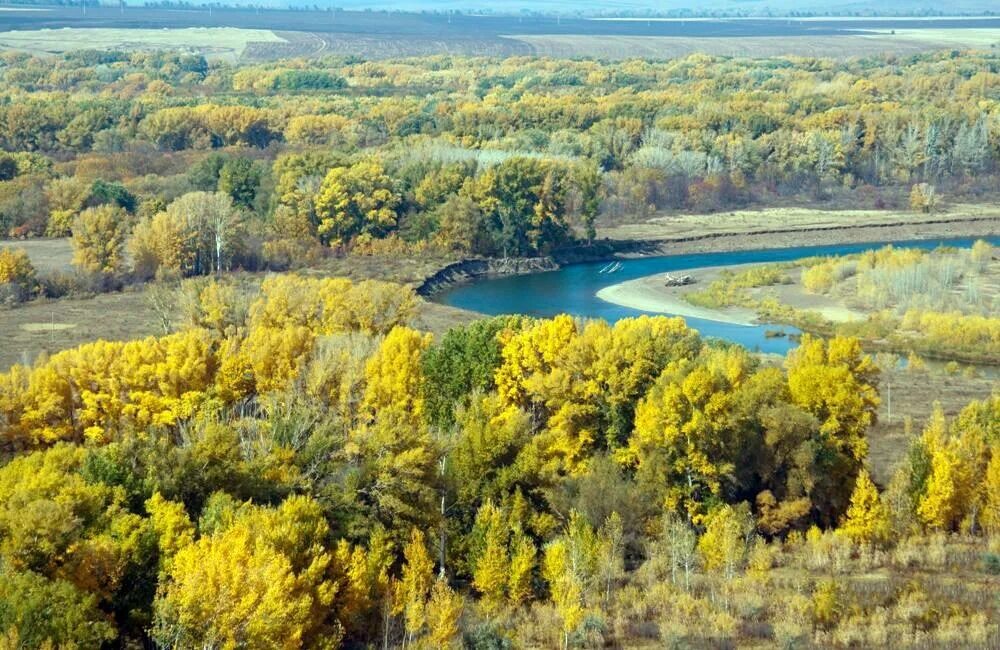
572	289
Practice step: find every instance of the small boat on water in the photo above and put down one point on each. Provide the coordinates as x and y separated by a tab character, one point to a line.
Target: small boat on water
611	267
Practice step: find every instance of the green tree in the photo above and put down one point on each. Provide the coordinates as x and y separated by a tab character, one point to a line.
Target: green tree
104	192
589	183
203	176
523	199
463	362
240	179
38	610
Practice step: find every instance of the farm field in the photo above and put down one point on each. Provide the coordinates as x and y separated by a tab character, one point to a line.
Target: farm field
212	42
53	325
914	397
614	47
273	34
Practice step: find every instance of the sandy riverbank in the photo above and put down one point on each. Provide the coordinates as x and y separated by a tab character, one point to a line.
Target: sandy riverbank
651	294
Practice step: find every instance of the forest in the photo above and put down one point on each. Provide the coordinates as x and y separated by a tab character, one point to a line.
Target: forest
304	470
182	167
294	463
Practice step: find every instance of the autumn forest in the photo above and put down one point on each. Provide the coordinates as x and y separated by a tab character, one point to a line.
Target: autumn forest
295	459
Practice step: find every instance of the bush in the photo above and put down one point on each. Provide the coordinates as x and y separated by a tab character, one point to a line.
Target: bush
486	636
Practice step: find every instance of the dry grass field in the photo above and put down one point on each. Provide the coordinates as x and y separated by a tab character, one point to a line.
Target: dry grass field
52	325
914	394
48	255
615	47
786	227
320	31
212	42
48	326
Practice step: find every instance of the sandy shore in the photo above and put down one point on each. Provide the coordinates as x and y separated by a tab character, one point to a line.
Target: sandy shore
650	294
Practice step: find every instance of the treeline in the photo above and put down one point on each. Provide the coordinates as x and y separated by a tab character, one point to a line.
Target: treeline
299	468
513	157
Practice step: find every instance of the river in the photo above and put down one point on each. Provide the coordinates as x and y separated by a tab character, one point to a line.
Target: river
572	288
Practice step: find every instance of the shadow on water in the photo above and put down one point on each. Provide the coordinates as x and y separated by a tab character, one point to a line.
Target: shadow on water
572	289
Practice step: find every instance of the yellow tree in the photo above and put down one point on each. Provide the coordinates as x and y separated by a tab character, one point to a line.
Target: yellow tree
415	584
99	239
867	519
262	582
395	461
229	591
942	504
492	570
565	586
15	266
837	383
923	197
363	581
522	568
355	200
685	434
215	224
991	494
162	242
66	197
723	546
444	609
583	379
394	377
269	359
172	525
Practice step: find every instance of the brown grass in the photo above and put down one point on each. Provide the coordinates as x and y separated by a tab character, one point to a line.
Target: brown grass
910	41
742	222
914	396
48	255
28	330
754	230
